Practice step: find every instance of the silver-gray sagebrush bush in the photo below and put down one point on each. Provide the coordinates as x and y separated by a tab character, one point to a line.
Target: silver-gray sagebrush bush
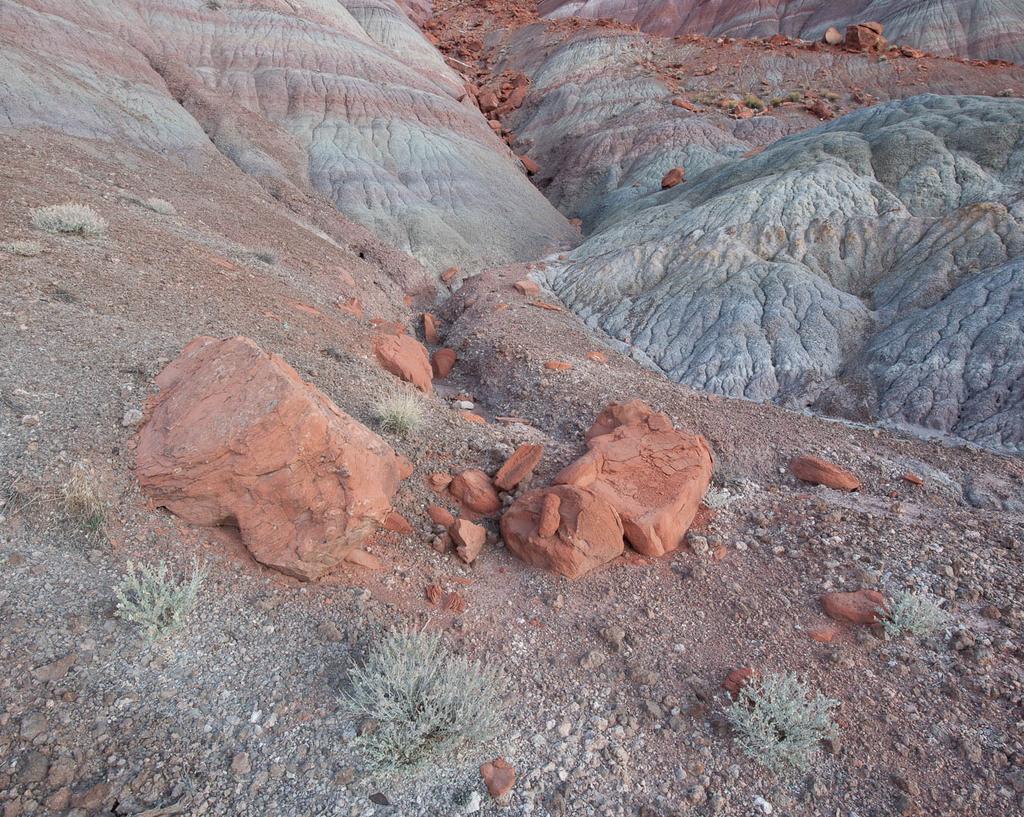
425	704
916	614
158	603
779	722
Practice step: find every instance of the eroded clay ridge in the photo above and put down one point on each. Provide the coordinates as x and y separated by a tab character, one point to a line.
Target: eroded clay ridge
872	267
345	99
984	29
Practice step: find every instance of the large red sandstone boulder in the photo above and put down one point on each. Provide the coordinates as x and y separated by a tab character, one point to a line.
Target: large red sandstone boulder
235	437
566	529
817	471
405	357
652	474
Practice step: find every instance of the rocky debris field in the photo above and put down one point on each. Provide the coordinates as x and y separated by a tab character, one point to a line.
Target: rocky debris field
225	361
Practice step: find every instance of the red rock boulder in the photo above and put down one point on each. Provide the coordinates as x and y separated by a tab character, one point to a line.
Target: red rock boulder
475	492
234	437
469	539
565	529
652	474
406	358
821	472
499	777
673	177
858	607
519	466
442	362
865	37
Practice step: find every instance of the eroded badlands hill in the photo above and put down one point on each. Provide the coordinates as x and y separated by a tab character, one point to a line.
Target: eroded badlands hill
985	29
345	100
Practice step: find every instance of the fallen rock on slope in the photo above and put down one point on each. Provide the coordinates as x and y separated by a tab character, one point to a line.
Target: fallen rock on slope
653	475
234	437
566	529
836	268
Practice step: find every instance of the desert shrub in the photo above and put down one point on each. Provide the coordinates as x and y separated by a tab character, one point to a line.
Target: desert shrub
27	249
425	704
164	208
147	596
82	499
268	257
71	218
795	96
914	613
400	414
779	722
754	102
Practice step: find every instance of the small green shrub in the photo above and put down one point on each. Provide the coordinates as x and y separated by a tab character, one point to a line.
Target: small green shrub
164	208
400	414
795	96
916	614
69	218
426	705
147	596
26	249
82	499
754	102
779	722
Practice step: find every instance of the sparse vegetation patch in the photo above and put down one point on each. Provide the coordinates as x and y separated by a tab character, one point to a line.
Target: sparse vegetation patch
82	499
421	704
147	596
779	722
70	218
26	249
399	414
915	614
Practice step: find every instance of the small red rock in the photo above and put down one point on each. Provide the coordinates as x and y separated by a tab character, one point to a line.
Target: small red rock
440	516
857	607
597	357
353	306
519	466
737	679
557	366
430	329
439	481
913	478
527	287
499	777
442	362
823	633
673	177
397	523
550	517
686	105
531	166
470	417
475	492
821	472
469	539
449	274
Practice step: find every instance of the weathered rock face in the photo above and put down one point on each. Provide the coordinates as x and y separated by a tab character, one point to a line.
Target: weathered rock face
565	529
235	437
870	267
652	474
983	30
347	99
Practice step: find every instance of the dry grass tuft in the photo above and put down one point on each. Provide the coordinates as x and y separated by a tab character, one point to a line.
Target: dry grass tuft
82	500
399	414
26	249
